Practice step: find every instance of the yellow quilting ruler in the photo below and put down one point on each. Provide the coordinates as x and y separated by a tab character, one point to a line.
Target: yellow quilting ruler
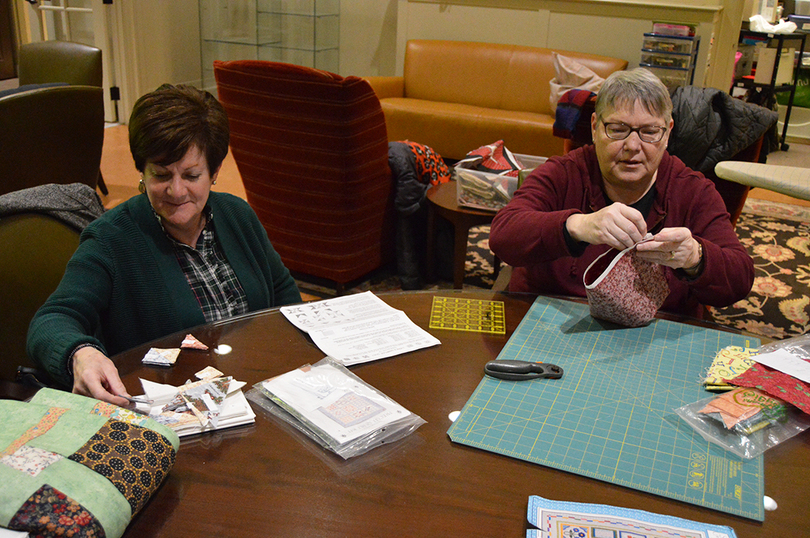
474	315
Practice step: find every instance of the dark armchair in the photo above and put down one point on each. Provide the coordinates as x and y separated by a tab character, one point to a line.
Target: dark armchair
71	63
60	61
39	232
51	135
312	150
35	250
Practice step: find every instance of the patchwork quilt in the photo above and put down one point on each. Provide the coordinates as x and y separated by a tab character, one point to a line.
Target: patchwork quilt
75	466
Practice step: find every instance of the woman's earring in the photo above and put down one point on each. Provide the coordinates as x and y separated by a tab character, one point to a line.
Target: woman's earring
141	187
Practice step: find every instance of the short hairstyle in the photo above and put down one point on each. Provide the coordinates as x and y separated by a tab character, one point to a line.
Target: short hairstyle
622	89
167	122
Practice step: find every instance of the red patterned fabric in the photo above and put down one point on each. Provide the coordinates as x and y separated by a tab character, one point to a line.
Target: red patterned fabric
496	159
312	150
779	385
625	289
429	164
49	512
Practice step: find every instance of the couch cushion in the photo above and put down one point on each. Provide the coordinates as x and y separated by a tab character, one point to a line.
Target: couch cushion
489	75
454	129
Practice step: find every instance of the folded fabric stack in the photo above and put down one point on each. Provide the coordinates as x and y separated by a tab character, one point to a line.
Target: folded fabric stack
75	466
213	402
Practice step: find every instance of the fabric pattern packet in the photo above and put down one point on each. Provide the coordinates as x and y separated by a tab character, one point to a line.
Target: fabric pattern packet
626	290
775	383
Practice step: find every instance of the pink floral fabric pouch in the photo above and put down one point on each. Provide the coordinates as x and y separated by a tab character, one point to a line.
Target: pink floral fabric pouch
624	289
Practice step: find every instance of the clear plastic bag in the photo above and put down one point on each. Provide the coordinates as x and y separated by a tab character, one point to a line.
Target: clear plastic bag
771	423
797	345
335	408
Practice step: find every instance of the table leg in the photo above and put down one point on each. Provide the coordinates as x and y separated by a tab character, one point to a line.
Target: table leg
459	254
430	248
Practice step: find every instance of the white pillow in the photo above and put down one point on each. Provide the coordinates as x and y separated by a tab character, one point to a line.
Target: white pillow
570	74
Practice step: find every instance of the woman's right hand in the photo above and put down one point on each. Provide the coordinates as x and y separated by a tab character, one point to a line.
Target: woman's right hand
617	225
95	375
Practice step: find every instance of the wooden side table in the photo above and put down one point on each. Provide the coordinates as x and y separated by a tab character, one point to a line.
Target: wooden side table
442	201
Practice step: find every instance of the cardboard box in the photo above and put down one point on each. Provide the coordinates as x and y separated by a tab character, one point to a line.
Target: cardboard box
487	191
766	61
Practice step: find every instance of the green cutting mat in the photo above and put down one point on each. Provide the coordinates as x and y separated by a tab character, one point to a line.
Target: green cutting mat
611	415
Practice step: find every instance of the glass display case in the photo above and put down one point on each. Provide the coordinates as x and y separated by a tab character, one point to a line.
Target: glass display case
303	32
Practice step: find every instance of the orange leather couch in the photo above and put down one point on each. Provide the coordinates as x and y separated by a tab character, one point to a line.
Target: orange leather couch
456	96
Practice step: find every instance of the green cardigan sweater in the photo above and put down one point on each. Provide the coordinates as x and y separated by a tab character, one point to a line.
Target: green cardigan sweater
124	287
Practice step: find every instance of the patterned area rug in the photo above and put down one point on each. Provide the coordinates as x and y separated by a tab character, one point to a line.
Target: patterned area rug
776	235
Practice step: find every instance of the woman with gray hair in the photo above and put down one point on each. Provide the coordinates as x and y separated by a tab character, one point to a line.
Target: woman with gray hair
611	194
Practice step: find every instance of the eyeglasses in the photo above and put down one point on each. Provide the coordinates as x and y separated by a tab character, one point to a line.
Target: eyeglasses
649	133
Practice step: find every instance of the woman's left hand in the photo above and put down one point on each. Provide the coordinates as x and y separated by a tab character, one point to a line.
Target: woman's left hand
673	247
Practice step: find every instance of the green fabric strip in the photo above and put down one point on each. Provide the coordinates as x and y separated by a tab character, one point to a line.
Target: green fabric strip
58	398
31	425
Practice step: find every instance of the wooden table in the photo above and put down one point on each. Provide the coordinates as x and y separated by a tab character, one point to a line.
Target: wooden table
269	480
443	202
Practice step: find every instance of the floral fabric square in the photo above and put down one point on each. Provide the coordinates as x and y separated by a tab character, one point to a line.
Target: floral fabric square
49	512
30	460
779	385
625	289
133	458
119	413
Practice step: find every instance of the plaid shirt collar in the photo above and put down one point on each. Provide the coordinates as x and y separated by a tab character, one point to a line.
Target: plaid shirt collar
209	275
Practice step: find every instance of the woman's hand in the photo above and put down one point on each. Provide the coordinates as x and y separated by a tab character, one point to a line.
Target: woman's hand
673	247
96	376
617	225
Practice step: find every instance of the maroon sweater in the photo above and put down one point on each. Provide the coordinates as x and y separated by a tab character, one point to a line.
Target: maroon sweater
528	232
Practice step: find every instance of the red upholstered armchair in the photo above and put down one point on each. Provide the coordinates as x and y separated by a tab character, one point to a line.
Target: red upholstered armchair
312	150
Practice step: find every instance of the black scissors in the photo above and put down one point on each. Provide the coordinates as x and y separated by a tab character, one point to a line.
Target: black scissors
511	370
